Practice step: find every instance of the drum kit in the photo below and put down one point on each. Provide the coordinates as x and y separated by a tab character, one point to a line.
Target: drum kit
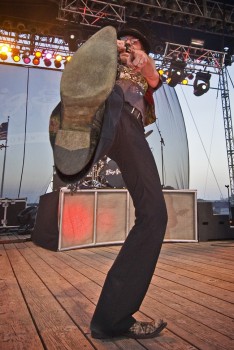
104	174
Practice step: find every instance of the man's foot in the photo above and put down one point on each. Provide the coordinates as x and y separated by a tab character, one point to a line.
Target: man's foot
86	82
145	330
139	330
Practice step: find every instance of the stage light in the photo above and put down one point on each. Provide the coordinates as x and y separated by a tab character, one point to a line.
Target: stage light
58	58
25	57
5	48
57	64
3	56
201	83
184	81
197	43
68	58
176	73
190	76
48	55
161	71
38	54
47	62
72	39
15	55
36	61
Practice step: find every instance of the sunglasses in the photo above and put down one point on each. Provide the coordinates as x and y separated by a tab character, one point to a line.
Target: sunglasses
132	41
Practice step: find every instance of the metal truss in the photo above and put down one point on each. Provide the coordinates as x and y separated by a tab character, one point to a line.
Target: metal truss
90	12
211	16
195	58
33	42
228	128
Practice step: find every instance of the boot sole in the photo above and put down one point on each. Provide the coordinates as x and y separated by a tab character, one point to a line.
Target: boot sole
82	94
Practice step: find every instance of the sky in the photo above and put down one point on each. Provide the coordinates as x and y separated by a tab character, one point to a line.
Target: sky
204	122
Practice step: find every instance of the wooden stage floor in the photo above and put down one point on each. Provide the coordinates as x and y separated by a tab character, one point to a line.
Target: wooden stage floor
48	298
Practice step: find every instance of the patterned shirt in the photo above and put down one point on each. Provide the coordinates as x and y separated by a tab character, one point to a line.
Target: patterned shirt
137	92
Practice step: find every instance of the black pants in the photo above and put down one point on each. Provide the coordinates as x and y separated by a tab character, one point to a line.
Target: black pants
127	281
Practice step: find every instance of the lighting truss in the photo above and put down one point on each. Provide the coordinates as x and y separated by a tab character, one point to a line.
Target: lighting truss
33	42
90	13
210	16
196	58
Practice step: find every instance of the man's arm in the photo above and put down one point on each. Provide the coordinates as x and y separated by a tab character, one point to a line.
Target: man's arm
141	62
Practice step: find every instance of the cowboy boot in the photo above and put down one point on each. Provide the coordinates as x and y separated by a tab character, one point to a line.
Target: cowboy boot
86	82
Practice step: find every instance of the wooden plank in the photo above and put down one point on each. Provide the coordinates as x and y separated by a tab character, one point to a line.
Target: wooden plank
81	286
195	284
218	320
56	327
17	330
14	238
195	266
180	269
78	287
197	306
208	257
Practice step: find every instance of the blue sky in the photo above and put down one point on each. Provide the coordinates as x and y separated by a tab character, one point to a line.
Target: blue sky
203	117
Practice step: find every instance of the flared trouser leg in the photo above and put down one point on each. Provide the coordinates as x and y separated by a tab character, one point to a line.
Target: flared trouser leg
129	277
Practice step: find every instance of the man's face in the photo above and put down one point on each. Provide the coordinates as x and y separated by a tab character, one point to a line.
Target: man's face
132	41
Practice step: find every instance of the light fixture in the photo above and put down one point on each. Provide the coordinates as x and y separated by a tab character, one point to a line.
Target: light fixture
58	58
68	58
36	61
184	81
176	73
15	55
201	83
197	43
38	54
58	61
72	40
3	56
57	64
47	62
4	49
26	57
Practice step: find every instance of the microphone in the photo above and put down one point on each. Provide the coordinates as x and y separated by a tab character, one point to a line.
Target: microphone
128	47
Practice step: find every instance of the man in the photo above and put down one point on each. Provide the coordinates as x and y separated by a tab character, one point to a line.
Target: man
105	115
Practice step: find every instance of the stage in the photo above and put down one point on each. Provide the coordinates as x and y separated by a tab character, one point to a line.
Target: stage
48	298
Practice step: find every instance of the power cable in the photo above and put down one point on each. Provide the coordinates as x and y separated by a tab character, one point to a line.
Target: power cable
25	134
202	144
211	142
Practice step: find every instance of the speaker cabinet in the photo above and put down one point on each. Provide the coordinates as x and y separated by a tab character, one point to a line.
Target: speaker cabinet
9	210
68	220
91	217
98	217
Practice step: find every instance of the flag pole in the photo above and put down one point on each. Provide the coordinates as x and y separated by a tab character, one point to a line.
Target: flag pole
4	161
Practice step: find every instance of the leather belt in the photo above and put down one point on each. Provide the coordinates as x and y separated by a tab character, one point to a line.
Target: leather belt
134	111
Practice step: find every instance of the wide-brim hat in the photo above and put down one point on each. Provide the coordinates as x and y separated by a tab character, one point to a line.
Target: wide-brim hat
138	35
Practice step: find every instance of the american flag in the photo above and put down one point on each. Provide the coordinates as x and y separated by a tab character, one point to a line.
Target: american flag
3	131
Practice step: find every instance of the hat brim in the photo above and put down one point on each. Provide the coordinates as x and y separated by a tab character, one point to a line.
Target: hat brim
138	35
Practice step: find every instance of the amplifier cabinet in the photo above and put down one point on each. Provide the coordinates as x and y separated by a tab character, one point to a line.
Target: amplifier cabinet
9	210
100	216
